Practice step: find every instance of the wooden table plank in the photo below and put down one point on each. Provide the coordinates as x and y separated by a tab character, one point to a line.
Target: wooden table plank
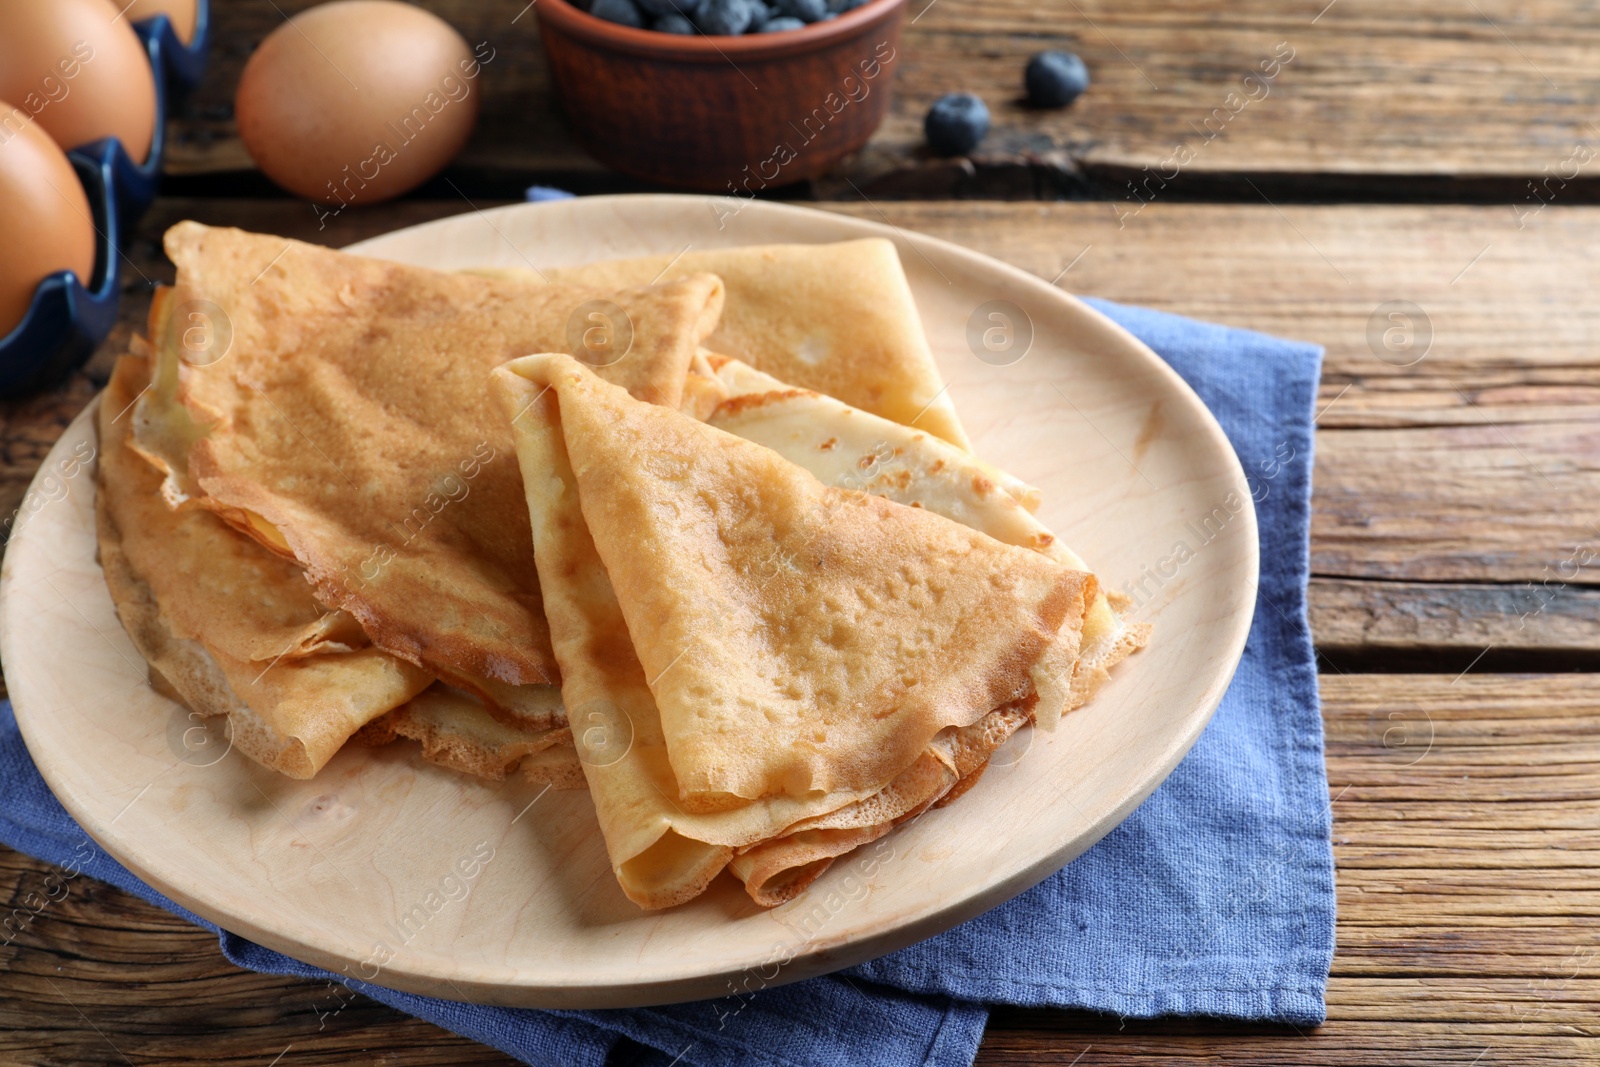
1483	95
1454	495
1444	949
1466	461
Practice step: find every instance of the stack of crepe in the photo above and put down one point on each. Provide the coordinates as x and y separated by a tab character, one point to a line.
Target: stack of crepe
746	582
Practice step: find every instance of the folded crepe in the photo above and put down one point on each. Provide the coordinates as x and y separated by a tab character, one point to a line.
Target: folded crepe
760	655
838	318
848	448
346	426
232	629
229	626
455	729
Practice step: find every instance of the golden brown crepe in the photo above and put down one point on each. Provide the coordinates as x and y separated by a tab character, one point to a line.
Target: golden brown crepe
838	318
744	649
221	617
848	448
348	427
845	447
231	627
777	870
456	730
776	642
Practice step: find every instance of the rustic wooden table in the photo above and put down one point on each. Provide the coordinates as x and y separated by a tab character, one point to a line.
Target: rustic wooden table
1437	155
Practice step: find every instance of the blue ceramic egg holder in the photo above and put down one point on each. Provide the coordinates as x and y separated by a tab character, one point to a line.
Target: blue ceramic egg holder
67	320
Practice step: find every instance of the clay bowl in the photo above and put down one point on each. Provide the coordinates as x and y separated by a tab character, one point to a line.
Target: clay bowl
730	115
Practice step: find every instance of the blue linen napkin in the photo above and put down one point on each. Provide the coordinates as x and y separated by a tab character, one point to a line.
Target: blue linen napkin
1215	897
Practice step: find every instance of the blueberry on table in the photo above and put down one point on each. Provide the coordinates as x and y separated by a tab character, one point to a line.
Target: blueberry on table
673	24
622	12
1055	79
804	10
725	18
779	24
955	124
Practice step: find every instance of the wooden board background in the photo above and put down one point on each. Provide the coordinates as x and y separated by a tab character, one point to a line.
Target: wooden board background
1451	97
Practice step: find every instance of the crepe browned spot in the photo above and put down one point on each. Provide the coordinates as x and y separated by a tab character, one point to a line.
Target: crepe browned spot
654	531
228	625
838	318
348	426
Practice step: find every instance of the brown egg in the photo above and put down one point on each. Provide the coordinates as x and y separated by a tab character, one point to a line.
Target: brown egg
183	13
358	101
78	68
46	224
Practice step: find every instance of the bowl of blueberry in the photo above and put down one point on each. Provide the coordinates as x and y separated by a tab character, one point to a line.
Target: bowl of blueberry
724	96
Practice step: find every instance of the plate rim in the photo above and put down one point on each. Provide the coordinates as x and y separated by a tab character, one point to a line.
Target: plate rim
565	986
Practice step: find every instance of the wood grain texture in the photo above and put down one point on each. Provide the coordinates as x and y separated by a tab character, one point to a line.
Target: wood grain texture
1351	615
1467	872
1492	89
1454	479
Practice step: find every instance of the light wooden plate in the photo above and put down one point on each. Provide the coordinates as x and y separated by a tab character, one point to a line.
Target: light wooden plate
359	870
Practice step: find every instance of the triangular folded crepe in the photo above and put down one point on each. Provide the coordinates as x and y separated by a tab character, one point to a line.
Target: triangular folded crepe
838	318
845	447
744	649
347	426
848	448
228	625
232	629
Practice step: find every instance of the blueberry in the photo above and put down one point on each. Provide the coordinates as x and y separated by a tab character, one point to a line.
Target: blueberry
839	7
804	10
622	12
669	7
760	12
673	24
725	18
955	124
1055	79
778	25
